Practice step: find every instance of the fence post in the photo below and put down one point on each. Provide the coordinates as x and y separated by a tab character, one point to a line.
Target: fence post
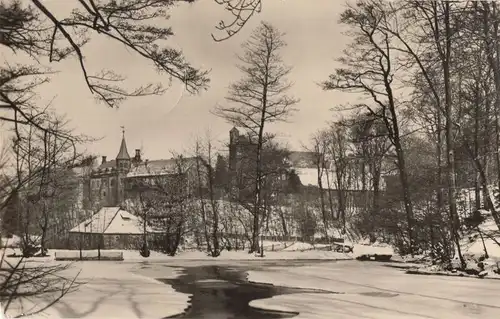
99	248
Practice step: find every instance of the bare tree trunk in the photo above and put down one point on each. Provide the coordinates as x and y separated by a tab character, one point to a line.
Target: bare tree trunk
439	160
483	180
376	193
202	200
44	227
320	170
283	222
484	163
213	203
493	55
258	184
497	141
477	116
405	185
450	144
330	198
341	199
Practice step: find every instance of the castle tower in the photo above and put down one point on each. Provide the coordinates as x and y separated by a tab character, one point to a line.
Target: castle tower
123	158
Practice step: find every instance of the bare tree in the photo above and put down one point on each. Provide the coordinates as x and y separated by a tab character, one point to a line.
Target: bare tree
163	199
42	168
207	194
319	149
370	142
369	67
241	12
35	186
338	147
259	99
490	18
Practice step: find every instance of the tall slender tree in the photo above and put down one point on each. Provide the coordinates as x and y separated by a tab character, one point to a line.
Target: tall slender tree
370	67
259	99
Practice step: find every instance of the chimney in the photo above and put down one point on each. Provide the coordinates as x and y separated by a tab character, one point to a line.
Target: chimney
137	155
103	160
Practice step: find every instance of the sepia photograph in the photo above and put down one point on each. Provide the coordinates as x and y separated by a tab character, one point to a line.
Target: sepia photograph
250	159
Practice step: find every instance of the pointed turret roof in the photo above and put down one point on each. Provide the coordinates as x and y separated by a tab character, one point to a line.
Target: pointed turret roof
123	153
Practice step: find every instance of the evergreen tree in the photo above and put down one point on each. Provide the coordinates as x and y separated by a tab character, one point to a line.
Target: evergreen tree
10	222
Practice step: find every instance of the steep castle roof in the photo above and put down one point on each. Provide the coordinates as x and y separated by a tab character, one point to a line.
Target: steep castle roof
161	167
123	153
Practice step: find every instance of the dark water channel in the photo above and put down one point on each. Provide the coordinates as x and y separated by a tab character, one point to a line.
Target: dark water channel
220	292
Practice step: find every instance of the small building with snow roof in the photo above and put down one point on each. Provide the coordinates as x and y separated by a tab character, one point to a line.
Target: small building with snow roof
109	228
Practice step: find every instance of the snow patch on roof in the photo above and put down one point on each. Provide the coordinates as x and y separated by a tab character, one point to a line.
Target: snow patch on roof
161	167
98	222
125	223
111	220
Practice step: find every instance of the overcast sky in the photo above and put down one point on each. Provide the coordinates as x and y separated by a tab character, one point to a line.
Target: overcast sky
169	122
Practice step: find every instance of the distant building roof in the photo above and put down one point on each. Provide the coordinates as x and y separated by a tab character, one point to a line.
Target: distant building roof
309	177
111	220
240	129
302	159
108	164
160	167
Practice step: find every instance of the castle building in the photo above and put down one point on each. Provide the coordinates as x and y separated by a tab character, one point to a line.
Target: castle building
109	184
107	181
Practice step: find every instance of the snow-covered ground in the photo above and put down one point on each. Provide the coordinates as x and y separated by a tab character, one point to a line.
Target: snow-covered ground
110	290
14	241
375	249
134	256
474	246
243	255
368	290
272	251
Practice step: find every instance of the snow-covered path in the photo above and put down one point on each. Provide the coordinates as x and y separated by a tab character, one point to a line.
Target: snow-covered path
369	290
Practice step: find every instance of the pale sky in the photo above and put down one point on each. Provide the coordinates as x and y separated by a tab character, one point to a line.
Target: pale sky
169	122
